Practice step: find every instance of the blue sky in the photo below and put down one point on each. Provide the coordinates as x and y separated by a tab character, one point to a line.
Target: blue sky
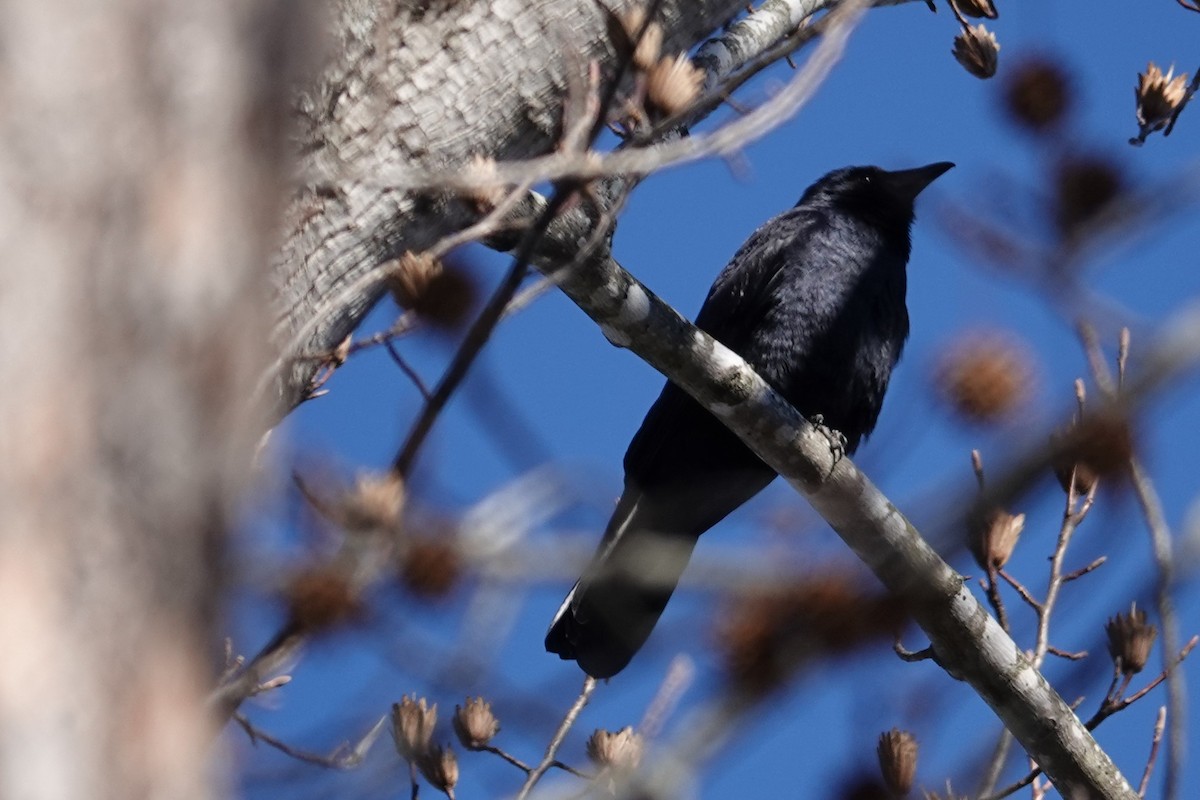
565	400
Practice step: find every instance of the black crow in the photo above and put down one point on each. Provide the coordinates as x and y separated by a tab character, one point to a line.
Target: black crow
814	301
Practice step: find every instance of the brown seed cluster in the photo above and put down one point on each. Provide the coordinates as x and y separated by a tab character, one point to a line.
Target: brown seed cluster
985	378
1158	96
768	635
1130	640
897	752
413	721
320	598
375	503
1037	94
439	765
977	50
430	565
673	84
431	288
475	724
1084	187
619	752
1096	446
487	191
992	536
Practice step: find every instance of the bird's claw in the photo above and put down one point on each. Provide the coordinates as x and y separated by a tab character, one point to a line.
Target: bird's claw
836	439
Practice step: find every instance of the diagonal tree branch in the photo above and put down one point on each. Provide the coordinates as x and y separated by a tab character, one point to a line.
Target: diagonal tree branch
967	642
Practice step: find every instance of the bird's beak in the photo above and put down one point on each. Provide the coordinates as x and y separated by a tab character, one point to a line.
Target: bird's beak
911	182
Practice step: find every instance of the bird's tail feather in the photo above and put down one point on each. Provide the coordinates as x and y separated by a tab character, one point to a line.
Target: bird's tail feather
612	609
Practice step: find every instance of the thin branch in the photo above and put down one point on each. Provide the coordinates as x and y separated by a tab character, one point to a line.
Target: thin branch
407	369
1160	539
343	756
589	686
1159	724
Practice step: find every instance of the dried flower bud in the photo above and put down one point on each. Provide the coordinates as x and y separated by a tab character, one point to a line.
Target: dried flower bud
430	565
985	378
649	47
768	635
439	765
487	192
375	503
992	536
1084	187
475	724
620	751
412	727
977	50
431	288
320	598
897	751
1130	639
1098	445
977	8
410	277
674	84
1037	94
1158	96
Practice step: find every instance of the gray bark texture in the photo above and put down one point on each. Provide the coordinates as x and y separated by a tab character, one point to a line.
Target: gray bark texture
139	174
430	85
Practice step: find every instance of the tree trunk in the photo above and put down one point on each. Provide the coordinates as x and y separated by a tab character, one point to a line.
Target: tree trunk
429	85
139	176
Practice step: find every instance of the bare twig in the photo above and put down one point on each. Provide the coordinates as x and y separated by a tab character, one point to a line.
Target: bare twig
407	369
1160	538
589	686
1159	724
680	675
344	756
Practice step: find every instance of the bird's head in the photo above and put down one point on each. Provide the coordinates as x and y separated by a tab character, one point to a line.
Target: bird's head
873	193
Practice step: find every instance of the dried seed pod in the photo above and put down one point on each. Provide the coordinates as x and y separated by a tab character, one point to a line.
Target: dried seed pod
1158	96
1084	187
411	276
375	503
1037	94
673	84
412	727
620	751
320	598
475	724
439	765
1096	446
1130	640
977	50
430	564
992	535
897	751
985	378
488	191
431	288
767	635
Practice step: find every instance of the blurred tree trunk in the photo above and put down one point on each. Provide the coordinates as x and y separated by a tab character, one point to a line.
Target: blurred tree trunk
426	85
140	173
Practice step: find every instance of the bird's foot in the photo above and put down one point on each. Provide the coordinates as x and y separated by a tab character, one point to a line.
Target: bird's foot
837	441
